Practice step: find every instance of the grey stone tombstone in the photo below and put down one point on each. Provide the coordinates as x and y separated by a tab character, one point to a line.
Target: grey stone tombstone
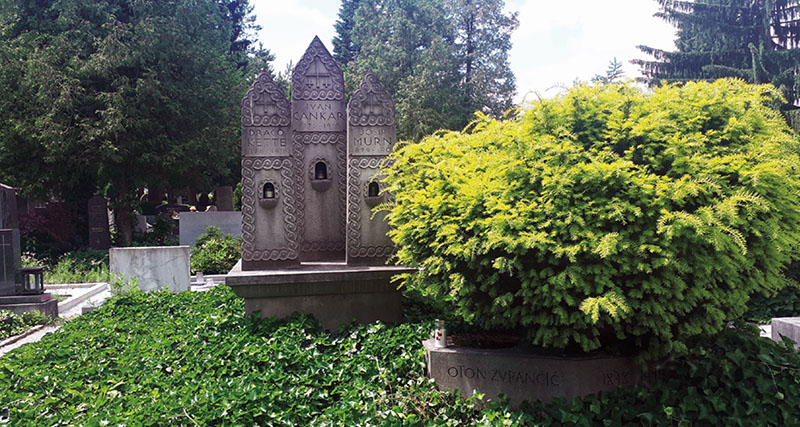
223	197
99	235
8	207
371	135
320	154
10	256
270	204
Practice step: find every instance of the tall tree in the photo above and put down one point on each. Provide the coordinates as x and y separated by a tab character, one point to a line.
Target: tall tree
752	39
483	38
344	49
441	60
111	96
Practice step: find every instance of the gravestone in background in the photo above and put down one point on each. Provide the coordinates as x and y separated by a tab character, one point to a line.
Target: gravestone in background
10	259
371	135
99	235
319	153
223	197
270	205
8	207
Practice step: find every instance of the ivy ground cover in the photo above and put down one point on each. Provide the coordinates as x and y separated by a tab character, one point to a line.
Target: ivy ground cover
196	359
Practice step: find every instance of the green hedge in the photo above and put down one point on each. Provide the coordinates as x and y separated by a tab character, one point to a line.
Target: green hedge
215	252
605	215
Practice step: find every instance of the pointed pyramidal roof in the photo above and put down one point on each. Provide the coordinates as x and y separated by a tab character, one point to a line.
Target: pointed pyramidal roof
371	104
265	104
317	76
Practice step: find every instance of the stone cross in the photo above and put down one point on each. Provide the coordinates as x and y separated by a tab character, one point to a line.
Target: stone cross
371	135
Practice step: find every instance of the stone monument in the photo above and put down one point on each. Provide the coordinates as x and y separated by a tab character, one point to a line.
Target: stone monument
21	289
8	207
371	135
295	198
99	235
320	151
270	236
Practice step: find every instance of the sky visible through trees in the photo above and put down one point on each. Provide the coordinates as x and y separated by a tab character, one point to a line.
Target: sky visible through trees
556	42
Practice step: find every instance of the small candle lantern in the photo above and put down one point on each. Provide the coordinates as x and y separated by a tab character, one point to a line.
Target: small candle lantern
31	281
269	191
439	334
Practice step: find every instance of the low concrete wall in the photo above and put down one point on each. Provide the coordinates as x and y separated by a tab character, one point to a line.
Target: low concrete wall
155	267
788	327
193	224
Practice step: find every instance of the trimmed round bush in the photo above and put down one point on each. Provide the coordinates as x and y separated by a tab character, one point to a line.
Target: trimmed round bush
605	215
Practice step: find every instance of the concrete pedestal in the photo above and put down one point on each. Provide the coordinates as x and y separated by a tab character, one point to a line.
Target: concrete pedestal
19	304
788	327
335	293
522	375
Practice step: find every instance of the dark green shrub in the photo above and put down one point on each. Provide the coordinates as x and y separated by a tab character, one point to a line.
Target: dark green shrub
606	214
237	197
215	252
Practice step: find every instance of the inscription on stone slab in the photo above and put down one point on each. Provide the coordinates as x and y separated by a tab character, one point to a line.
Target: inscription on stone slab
371	140
524	376
318	116
266	141
318	126
99	235
371	135
269	205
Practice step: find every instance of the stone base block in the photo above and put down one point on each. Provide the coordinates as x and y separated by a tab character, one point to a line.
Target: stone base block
27	303
788	327
522	375
336	294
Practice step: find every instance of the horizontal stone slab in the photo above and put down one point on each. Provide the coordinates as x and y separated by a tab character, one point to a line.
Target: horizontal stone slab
25	299
334	293
524	376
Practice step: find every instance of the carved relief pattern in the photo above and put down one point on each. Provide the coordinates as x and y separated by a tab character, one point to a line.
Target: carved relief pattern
265	104
320	137
290	250
371	105
317	76
341	173
354	247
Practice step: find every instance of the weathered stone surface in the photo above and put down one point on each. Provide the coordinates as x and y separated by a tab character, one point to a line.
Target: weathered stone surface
8	207
334	293
99	235
10	257
320	154
223	197
42	303
371	136
270	236
156	267
193	224
788	327
525	376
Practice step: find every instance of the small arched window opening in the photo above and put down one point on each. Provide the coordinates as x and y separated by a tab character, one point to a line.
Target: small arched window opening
373	190
321	171
269	191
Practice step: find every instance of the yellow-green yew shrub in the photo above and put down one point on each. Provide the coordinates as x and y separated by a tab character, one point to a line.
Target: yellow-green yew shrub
605	214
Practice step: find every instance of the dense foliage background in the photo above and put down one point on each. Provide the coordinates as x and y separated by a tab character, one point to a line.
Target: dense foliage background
605	215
